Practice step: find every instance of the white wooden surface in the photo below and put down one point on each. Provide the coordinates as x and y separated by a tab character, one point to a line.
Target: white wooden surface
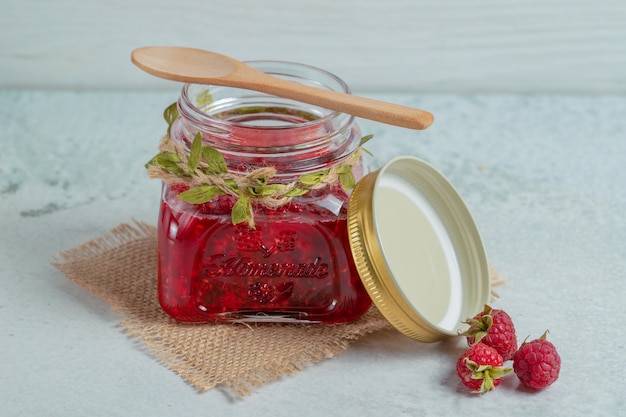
546	46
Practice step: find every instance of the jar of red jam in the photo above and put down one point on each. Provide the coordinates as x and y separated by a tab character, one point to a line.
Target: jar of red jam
274	246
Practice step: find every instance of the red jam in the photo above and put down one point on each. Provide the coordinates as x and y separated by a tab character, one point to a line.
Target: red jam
295	265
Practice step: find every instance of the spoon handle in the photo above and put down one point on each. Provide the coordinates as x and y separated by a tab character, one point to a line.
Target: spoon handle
204	67
367	108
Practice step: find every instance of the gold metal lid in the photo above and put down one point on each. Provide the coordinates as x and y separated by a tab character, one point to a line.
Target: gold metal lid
417	249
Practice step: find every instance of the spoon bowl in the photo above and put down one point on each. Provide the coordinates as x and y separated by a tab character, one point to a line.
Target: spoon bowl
199	66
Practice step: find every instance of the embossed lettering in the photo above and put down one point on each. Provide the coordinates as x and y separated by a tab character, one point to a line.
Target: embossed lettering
232	266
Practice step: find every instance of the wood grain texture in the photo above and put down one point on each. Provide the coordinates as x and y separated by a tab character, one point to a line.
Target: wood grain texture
554	46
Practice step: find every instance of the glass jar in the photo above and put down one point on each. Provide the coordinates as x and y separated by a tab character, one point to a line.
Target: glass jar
290	259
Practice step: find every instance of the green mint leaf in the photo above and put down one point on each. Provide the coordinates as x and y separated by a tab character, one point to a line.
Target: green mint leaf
201	194
268	190
214	160
167	161
344	169
170	114
367	152
347	180
365	139
204	98
232	185
195	153
314	178
241	211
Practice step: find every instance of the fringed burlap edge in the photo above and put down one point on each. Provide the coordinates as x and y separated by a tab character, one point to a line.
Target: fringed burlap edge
120	267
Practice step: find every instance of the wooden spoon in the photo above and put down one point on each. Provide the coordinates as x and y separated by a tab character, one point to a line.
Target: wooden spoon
198	66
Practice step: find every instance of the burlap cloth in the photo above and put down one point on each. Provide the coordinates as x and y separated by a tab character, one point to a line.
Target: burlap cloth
121	267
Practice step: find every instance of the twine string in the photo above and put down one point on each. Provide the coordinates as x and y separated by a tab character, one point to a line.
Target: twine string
243	182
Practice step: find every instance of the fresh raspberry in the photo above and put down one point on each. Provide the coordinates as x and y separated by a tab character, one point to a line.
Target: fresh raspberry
493	328
537	363
480	368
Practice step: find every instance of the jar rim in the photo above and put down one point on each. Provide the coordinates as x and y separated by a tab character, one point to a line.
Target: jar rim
217	122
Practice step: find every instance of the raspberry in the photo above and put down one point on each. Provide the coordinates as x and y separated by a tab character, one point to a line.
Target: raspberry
480	368
537	363
263	293
286	240
493	328
247	239
178	188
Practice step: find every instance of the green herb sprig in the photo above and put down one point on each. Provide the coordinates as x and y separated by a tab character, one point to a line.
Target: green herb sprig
205	168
